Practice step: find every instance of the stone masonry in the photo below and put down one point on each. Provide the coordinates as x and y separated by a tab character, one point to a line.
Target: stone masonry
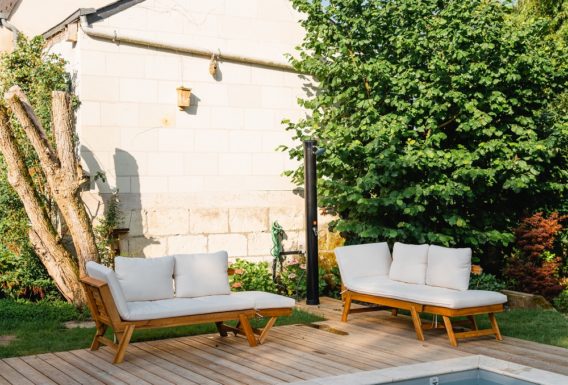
207	177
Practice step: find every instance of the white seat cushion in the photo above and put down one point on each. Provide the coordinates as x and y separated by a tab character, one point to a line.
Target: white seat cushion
198	275
145	279
107	275
177	307
409	263
448	267
425	295
263	300
369	259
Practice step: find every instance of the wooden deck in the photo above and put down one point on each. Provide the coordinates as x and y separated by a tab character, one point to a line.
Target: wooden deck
292	353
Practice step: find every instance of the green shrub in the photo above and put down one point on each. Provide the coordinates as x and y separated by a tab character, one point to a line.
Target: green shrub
22	311
23	276
251	276
291	281
104	232
561	302
439	119
333	283
485	281
294	278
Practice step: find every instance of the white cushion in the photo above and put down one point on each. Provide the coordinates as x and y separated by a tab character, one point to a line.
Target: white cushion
371	259
145	279
449	268
409	263
177	307
107	275
263	300
426	295
197	275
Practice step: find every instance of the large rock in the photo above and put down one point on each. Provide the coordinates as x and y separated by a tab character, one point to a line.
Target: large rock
518	300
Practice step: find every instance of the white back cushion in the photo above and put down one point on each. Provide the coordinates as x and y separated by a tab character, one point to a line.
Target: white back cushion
107	275
371	259
198	275
409	263
145	279
449	268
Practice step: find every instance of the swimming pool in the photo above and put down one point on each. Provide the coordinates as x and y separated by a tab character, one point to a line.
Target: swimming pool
471	370
467	377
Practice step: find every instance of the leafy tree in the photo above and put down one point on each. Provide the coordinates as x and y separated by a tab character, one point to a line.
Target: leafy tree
438	118
556	11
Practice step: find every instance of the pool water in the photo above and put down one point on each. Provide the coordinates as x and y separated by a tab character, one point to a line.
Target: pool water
468	377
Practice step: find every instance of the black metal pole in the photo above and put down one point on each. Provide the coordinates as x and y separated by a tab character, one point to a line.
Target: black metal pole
311	198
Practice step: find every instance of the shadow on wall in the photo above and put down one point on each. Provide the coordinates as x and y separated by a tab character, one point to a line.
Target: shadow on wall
193	104
126	177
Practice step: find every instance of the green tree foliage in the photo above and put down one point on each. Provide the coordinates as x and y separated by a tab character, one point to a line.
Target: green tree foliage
436	117
556	11
21	273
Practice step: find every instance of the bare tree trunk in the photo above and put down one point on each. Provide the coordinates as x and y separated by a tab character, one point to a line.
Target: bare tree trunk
60	169
57	260
71	176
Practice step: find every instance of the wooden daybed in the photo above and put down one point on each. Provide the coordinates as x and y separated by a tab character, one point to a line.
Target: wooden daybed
366	272
109	308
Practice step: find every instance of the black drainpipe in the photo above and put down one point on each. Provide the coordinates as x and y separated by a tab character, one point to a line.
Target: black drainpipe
310	196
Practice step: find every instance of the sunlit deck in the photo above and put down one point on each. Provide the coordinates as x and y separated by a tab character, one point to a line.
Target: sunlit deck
292	353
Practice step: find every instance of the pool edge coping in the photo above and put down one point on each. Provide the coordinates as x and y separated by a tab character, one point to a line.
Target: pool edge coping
441	367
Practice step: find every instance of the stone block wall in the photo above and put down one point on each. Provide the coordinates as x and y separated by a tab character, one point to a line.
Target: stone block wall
242	231
207	177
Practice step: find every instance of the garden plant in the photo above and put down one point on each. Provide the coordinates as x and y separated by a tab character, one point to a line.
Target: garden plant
442	123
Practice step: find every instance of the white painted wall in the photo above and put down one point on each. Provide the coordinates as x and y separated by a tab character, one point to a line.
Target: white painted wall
208	177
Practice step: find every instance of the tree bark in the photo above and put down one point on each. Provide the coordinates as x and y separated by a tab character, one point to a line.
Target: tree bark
57	260
70	175
60	169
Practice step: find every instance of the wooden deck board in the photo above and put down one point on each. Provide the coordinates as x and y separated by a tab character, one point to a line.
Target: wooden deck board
186	358
252	359
11	375
90	369
53	373
292	353
28	371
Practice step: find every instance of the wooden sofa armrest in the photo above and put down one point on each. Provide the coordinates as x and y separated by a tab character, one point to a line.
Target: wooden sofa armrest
101	303
90	281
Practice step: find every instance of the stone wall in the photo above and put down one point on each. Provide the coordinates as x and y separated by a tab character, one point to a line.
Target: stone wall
208	177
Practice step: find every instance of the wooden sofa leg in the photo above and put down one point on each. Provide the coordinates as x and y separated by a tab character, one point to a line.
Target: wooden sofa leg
221	329
473	323
123	340
495	327
266	328
247	329
417	323
101	330
450	331
346	307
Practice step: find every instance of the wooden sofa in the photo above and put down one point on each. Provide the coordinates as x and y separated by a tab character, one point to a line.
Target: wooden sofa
118	301
439	287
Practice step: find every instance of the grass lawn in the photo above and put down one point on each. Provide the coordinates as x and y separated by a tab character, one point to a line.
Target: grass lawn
544	326
547	327
38	328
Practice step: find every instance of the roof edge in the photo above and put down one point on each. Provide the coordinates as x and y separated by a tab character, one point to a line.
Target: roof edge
93	15
68	20
111	9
